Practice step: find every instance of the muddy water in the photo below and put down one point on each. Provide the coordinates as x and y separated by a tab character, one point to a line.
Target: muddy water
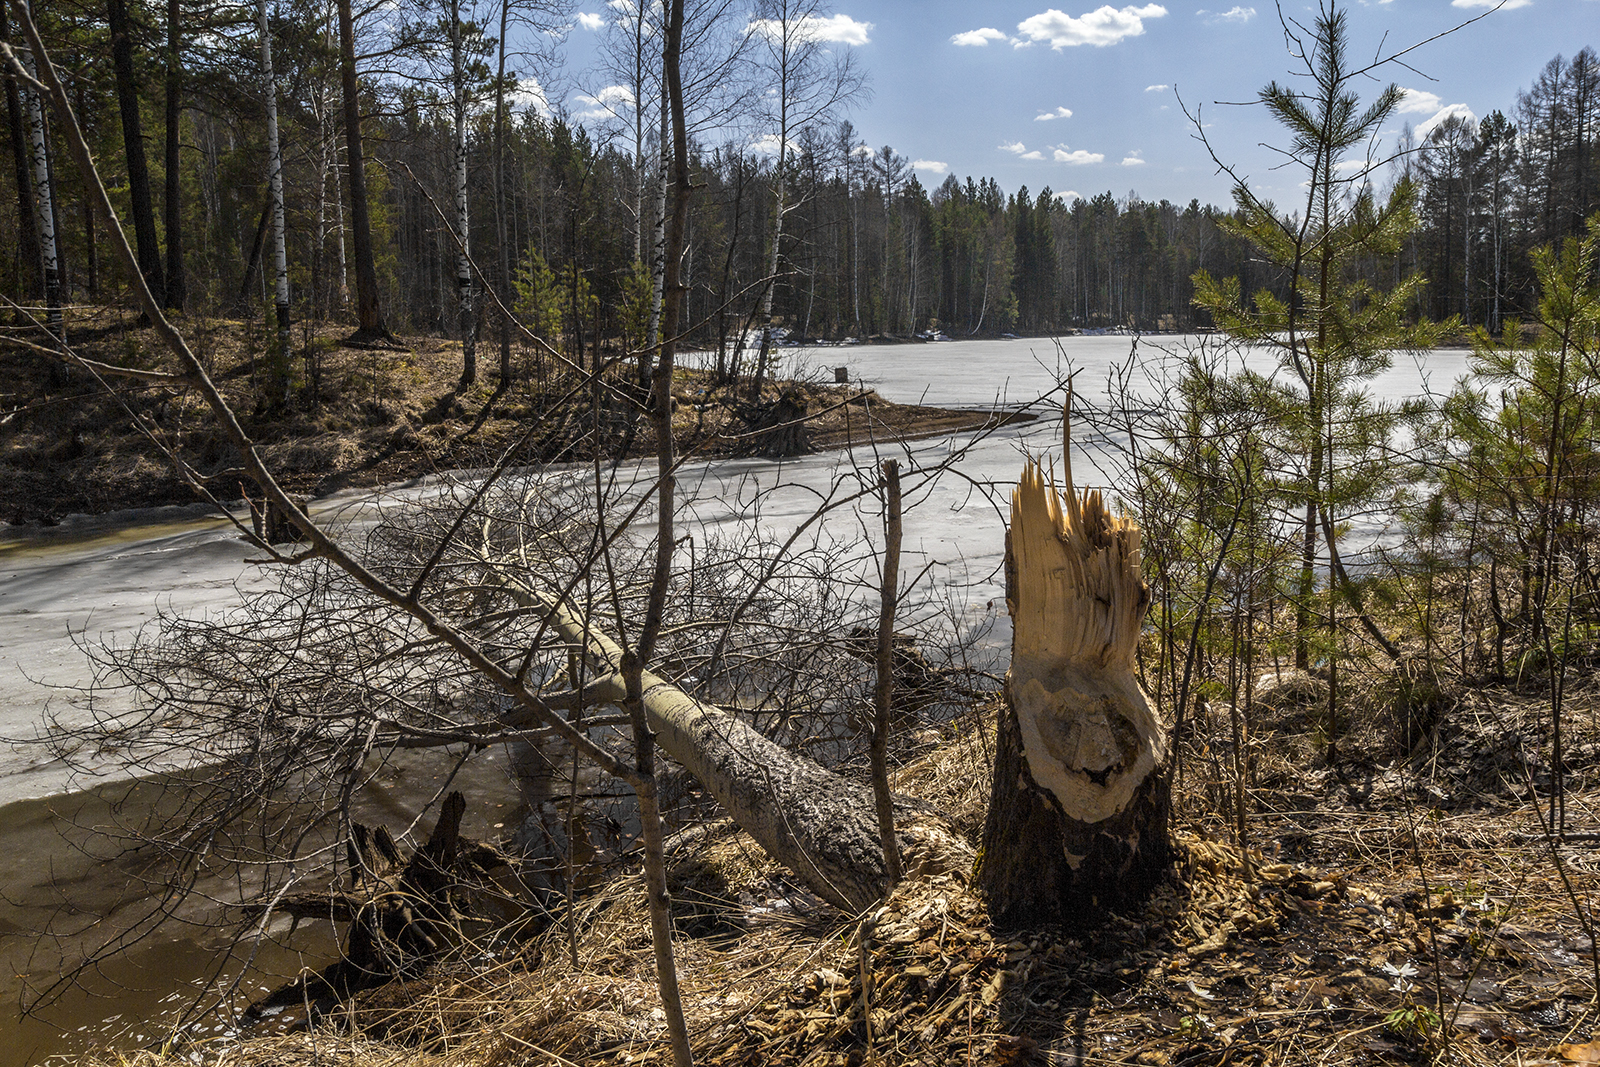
65	888
71	884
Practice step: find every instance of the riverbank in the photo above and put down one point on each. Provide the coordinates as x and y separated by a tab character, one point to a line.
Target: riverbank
381	416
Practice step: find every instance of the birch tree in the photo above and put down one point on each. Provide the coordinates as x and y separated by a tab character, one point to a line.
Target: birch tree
459	30
809	74
44	213
280	257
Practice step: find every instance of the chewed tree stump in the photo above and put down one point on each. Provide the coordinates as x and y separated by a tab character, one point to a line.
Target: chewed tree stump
1077	820
272	524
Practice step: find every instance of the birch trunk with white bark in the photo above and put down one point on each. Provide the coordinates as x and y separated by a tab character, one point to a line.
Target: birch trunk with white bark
819	825
280	258
658	243
44	207
466	312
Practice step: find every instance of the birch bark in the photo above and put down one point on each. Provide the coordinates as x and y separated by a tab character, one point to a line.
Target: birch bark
280	258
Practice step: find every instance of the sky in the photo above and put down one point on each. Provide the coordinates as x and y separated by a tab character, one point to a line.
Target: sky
1089	100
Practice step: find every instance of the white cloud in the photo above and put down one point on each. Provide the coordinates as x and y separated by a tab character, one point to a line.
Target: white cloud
616	94
1132	159
1015	146
1234	14
1508	6
931	165
1420	101
1103	26
1157	88
590	22
977	38
1035	154
529	96
836	29
1444	113
1058	113
861	151
606	103
1078	158
1071	194
767	145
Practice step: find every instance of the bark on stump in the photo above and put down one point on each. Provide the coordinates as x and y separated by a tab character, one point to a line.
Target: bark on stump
272	524
1077	820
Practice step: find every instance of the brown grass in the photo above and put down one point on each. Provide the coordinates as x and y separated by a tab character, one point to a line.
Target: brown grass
1382	930
380	416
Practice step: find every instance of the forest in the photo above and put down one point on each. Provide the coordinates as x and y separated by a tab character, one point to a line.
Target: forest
1291	755
563	214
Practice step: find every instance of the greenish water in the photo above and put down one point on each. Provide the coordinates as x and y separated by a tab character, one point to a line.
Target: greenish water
73	882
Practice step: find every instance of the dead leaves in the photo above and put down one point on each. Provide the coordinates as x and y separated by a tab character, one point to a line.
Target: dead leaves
1584	1055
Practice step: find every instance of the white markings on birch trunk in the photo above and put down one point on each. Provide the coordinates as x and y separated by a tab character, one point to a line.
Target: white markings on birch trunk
280	257
44	207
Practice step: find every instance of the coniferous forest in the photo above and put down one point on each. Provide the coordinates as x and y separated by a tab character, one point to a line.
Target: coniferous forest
560	213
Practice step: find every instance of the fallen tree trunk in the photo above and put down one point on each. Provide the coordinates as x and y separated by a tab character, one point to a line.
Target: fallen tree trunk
820	825
1077	819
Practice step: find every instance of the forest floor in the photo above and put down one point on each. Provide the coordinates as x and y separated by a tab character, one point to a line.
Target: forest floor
1390	908
381	416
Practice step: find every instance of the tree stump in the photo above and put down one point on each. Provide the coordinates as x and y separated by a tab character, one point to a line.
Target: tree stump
272	524
917	683
403	914
1077	821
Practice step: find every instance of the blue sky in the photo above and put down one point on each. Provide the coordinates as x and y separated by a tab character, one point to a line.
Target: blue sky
1086	100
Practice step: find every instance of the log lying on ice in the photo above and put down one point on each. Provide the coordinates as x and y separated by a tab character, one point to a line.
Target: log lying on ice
821	826
1077	820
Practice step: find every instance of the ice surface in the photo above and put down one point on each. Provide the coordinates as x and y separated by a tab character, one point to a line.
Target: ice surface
101	579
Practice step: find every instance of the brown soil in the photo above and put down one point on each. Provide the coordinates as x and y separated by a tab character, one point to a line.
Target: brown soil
382	415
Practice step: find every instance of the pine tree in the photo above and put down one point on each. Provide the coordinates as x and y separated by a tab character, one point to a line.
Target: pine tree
1334	331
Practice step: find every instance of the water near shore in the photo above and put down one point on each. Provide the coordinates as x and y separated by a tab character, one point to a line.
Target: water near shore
99	580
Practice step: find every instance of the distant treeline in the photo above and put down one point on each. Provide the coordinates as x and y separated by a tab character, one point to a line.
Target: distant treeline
866	248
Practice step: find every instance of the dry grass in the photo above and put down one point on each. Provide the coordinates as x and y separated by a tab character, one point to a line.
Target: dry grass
1388	931
1398	906
380	416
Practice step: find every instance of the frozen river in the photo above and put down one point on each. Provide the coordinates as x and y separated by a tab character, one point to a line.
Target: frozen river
99	579
96	580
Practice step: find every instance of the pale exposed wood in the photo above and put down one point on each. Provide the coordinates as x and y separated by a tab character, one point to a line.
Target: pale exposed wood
1077	820
1077	601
